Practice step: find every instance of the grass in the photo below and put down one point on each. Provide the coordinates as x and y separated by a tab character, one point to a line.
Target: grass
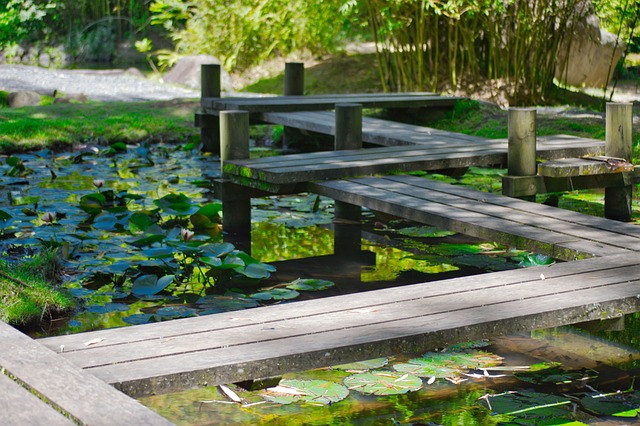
28	293
62	126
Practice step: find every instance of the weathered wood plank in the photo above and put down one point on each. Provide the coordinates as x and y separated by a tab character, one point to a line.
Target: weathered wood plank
74	392
480	219
571	167
19	407
257	350
327	102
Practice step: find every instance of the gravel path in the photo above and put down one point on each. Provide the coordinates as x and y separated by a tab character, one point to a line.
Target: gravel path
99	85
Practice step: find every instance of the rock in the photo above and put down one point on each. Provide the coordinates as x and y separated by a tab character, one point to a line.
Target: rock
588	61
23	98
135	72
69	98
44	60
186	72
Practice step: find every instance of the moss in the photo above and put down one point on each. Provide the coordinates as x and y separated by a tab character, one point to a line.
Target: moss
28	293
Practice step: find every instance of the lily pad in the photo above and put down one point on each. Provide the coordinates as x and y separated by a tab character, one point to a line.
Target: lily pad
275	294
536	407
619	404
310	284
148	285
556	374
383	383
215	303
108	307
321	392
443	365
139	319
362	366
172	312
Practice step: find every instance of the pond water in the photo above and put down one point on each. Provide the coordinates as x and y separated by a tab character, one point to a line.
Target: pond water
140	232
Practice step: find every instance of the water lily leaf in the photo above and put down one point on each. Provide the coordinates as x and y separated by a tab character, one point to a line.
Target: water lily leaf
4	216
80	292
533	406
475	344
107	222
536	259
257	270
309	284
427	369
178	204
176	312
425	232
140	222
108	307
139	319
214	262
93	203
619	404
312	391
218	250
159	252
447	364
116	267
383	383
556	374
149	285
148	240
363	366
216	303
201	222
275	294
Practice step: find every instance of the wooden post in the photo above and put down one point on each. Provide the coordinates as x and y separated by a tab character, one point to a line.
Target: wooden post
210	87
294	79
348	136
521	154
293	86
617	201
234	145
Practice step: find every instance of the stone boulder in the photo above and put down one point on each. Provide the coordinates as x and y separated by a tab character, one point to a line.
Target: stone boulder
23	98
186	72
591	57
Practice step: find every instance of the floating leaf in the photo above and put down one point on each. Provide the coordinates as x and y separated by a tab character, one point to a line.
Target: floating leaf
218	250
215	303
383	383
148	240
312	391
176	312
275	294
106	308
309	284
619	404
159	252
448	364
4	216
529	260
148	285
534	406
140	221
93	203
556	374
363	366
139	319
178	204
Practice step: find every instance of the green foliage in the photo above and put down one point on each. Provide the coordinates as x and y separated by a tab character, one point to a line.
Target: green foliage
245	32
20	20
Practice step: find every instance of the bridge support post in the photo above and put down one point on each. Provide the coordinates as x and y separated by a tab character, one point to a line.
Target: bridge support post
521	154
293	86
234	145
348	136
210	87
617	201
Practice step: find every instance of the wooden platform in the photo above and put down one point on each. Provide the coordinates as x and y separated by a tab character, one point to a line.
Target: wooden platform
558	233
437	153
39	387
326	102
270	341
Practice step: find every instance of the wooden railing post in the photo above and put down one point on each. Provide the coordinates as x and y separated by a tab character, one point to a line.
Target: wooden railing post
617	201
521	154
210	87
293	86
348	135
234	145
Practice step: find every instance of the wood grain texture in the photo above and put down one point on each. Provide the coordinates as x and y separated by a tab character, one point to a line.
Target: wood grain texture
80	395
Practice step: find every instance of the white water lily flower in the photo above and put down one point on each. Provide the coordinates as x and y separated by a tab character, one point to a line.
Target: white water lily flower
186	234
48	217
98	183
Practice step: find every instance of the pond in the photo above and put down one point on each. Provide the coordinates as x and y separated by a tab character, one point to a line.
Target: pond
563	376
140	232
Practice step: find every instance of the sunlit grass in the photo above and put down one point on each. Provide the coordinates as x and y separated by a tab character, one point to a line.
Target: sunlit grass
27	291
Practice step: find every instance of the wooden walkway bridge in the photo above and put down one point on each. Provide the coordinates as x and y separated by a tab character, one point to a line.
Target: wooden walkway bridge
601	279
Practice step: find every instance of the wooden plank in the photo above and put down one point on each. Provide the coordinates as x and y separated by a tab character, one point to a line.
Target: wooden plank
20	407
79	395
259	349
625	234
480	219
571	167
327	102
